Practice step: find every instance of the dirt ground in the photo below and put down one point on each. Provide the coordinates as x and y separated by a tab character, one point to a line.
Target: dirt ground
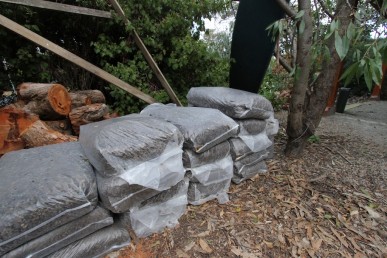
331	202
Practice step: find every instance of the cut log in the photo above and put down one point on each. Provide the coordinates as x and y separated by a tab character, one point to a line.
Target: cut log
46	100
95	96
12	121
87	114
62	126
38	134
79	100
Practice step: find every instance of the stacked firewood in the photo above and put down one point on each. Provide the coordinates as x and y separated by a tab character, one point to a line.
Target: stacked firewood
48	114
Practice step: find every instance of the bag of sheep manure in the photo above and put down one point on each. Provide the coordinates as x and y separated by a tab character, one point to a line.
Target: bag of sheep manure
63	235
234	103
98	244
202	128
245	145
41	189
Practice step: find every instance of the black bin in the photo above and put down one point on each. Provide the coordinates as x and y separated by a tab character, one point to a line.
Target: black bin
342	99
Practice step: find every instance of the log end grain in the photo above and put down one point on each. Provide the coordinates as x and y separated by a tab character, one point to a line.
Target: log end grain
59	99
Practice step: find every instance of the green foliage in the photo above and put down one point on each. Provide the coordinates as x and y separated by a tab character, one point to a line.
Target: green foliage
314	139
275	81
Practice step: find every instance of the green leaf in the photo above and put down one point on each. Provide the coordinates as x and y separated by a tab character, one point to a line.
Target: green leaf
339	45
368	77
332	29
350	73
299	14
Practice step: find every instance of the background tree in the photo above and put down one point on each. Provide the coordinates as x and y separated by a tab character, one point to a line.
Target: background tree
325	31
170	30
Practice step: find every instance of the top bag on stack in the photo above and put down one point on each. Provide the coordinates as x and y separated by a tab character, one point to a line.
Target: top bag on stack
202	128
234	103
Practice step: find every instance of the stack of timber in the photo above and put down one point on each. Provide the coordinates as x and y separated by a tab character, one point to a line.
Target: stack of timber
48	114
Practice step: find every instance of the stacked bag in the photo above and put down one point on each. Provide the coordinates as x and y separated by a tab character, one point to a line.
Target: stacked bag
206	151
136	172
49	201
139	169
257	126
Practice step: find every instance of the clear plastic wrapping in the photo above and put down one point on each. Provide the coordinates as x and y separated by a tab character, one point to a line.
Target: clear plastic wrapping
232	102
214	172
96	245
249	169
63	235
202	128
258	143
121	146
41	189
160	211
192	159
199	193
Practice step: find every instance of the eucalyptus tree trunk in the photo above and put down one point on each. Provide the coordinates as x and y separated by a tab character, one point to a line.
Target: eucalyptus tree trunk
309	101
296	127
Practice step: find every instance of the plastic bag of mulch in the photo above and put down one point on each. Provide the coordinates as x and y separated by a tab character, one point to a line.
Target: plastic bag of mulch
119	196
243	146
192	159
199	193
249	167
98	244
211	173
202	128
158	212
138	149
232	102
41	189
63	235
251	126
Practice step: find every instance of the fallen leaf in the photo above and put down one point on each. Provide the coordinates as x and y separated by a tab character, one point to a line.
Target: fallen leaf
181	254
316	244
359	255
189	246
341	239
373	214
281	238
203	234
203	244
268	244
236	251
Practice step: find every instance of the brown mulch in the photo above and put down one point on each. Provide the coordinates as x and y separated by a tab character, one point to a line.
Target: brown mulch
331	202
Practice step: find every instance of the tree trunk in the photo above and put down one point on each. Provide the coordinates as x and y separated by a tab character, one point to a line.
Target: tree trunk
316	99
320	90
296	128
49	101
87	114
38	134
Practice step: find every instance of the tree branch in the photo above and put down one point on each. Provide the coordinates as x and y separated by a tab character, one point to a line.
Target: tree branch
286	7
325	9
283	63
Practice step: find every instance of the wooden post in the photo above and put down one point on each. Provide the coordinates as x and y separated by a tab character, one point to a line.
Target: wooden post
147	55
13	26
61	7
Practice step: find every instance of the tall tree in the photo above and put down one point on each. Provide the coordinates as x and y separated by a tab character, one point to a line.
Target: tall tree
328	44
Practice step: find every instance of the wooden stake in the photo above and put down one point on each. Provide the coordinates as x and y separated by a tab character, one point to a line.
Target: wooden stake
152	63
13	26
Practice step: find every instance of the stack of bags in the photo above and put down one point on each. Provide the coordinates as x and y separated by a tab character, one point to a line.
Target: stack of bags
255	117
140	174
49	204
206	156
